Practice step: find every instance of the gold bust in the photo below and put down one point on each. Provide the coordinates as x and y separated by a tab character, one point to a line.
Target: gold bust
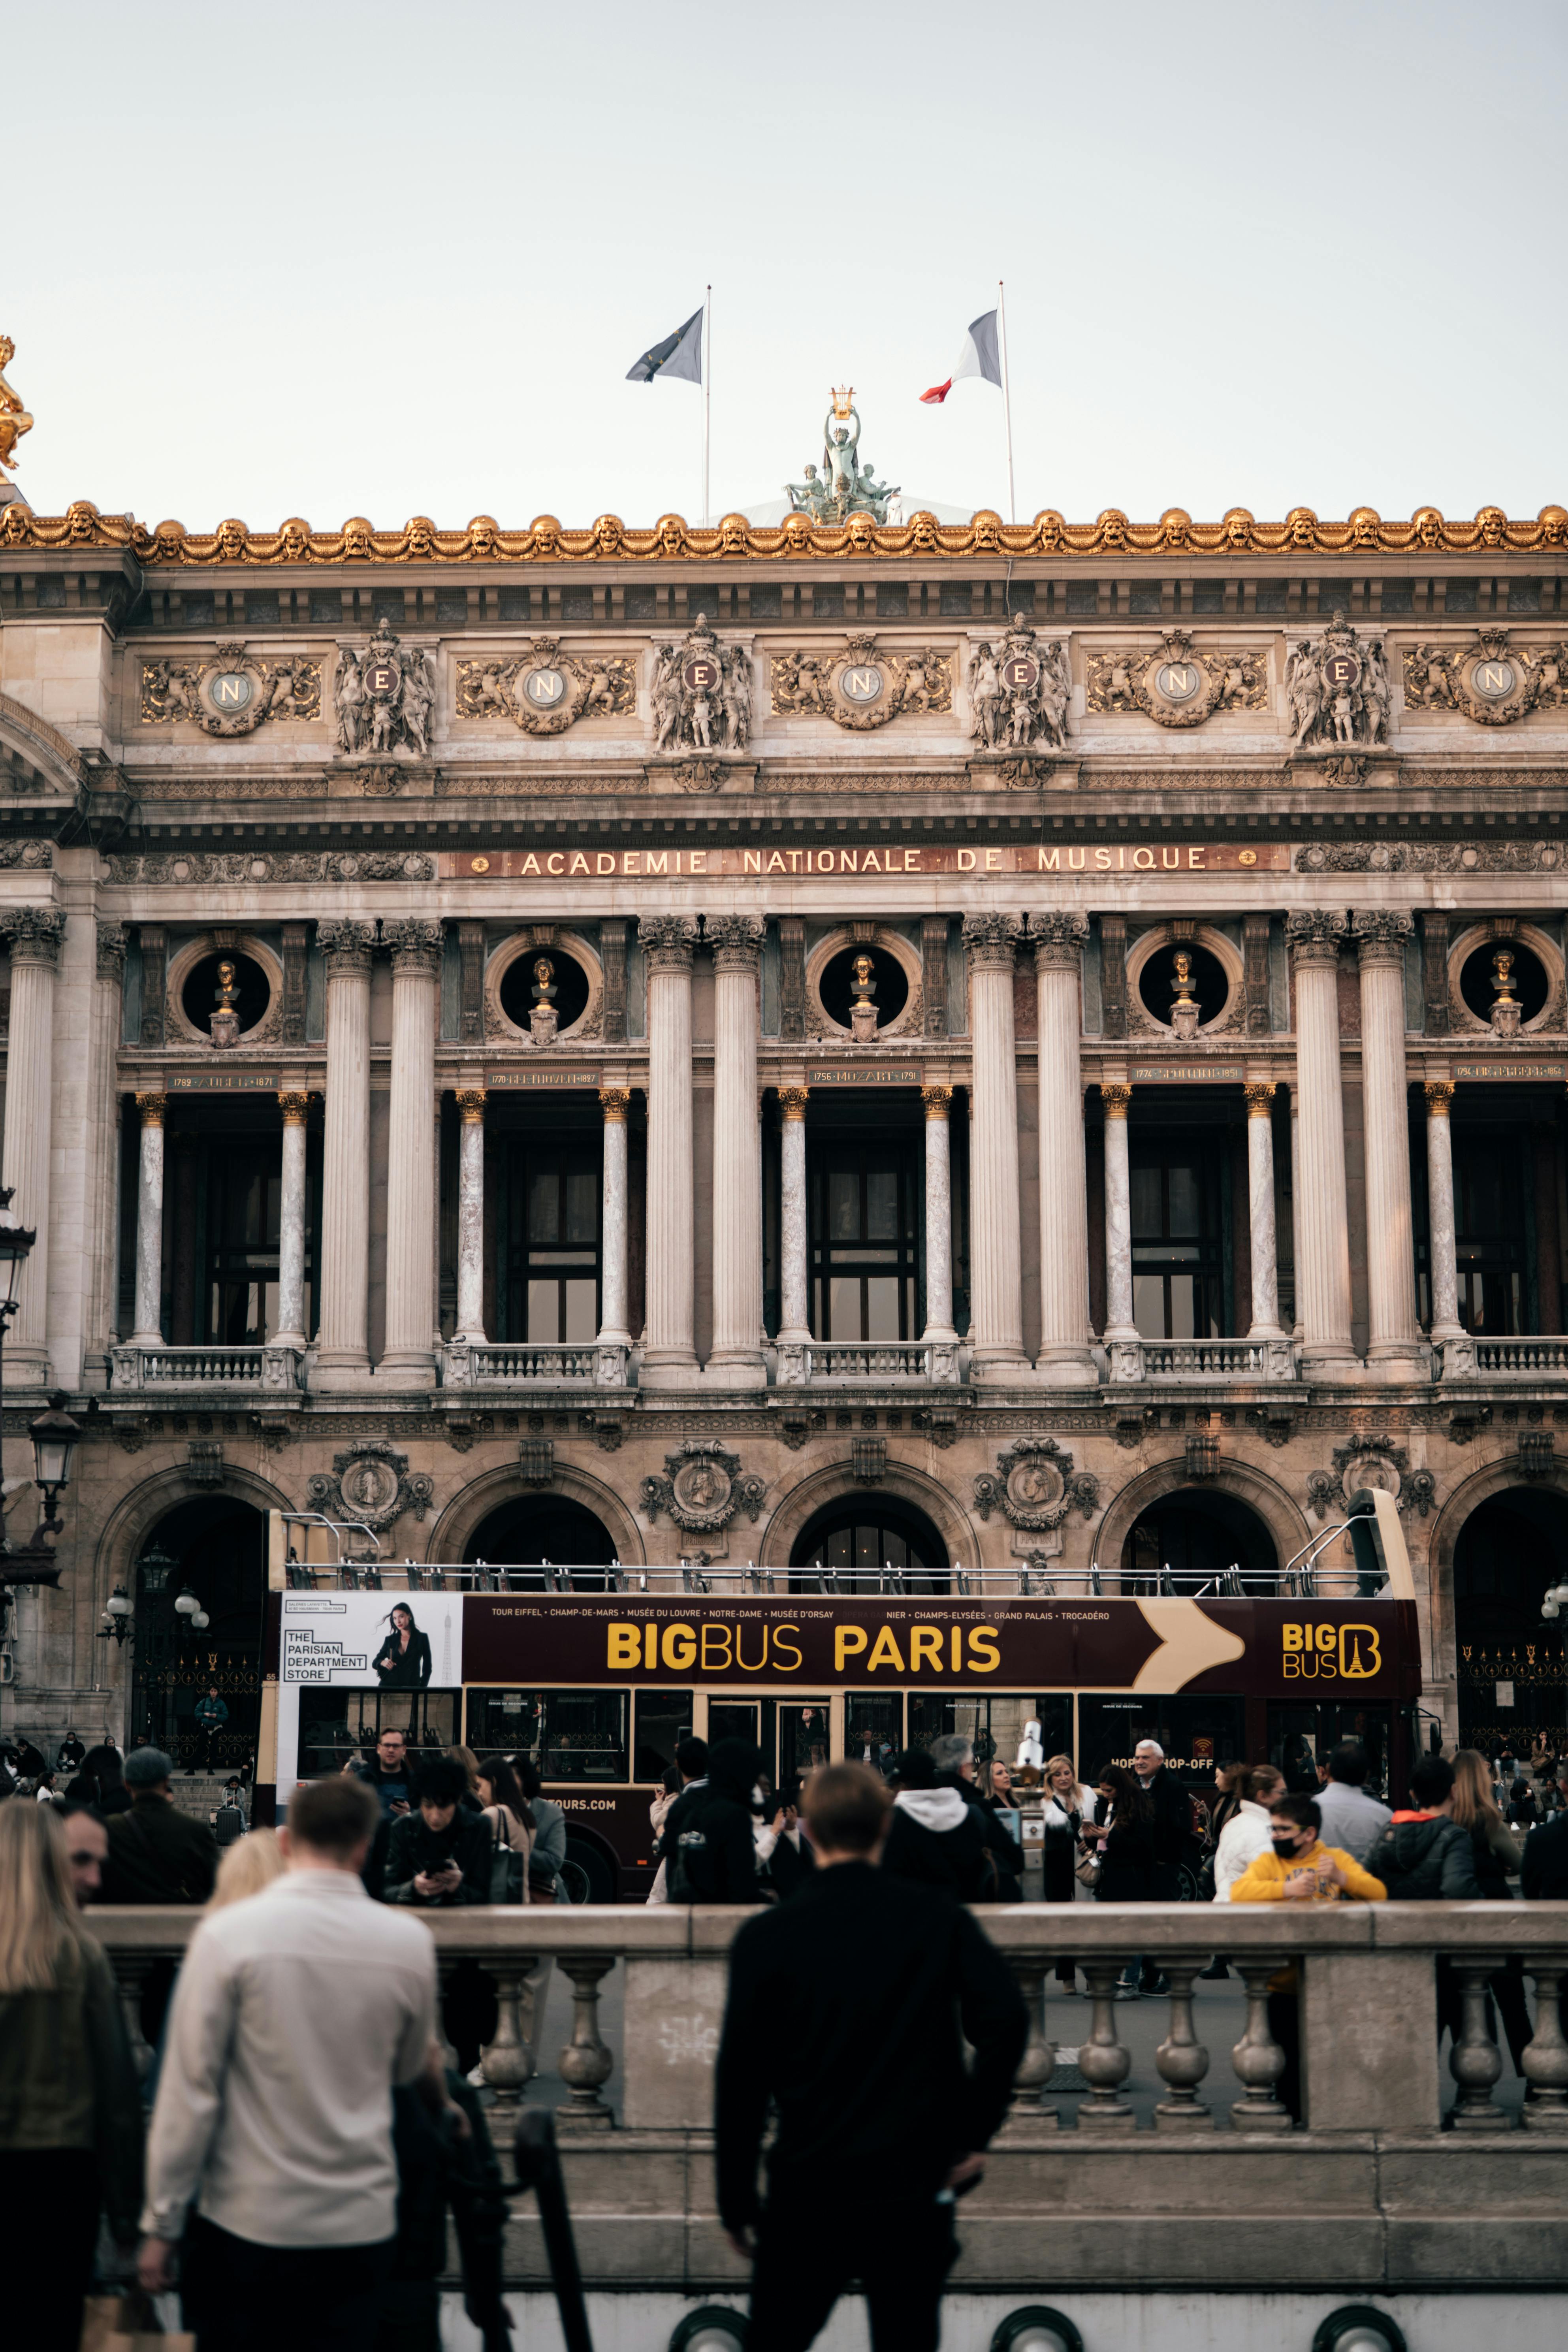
1503	975
864	970
544	979
228	986
1182	985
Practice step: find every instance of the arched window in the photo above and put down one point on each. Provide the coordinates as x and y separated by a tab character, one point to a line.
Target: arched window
869	1542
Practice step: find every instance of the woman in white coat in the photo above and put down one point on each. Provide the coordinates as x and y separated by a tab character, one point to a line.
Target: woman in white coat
1246	1835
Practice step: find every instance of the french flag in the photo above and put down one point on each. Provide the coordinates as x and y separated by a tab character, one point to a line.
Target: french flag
978	355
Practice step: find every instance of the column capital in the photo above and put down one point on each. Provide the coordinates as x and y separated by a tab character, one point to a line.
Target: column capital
793	1101
151	1108
1259	1093
1114	1098
1439	1093
296	1108
992	940
736	940
414	945
110	950
938	1101
667	940
1314	935
1058	940
1380	933
616	1101
35	933
346	945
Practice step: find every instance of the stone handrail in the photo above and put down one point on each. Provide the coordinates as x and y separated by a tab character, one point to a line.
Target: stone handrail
495	1363
1521	1359
870	1360
1412	2200
214	1366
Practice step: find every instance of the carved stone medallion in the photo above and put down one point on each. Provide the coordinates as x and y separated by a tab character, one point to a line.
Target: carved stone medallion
231	693
1035	1486
1175	686
861	687
1369	1461
371	1482
1491	681
544	691
702	1488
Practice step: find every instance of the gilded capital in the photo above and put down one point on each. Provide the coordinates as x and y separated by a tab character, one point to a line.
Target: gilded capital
1115	1099
992	940
414	945
346	946
1380	933
1259	1093
151	1108
667	940
793	1101
35	933
471	1106
615	1102
1439	1095
296	1108
938	1101
1058	940
1314	935
736	940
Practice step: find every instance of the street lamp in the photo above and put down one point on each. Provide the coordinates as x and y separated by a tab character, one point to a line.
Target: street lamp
15	1247
118	1622
56	1437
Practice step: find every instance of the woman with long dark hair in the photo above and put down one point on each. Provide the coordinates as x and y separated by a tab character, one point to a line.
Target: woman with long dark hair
403	1661
1125	1833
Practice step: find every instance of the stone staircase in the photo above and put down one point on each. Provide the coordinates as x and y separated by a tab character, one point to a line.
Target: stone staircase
200	1796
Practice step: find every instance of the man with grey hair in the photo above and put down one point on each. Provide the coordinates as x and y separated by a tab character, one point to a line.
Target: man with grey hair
156	1854
1172	1811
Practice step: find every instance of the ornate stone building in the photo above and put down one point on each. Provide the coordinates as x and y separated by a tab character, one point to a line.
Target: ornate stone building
836	1041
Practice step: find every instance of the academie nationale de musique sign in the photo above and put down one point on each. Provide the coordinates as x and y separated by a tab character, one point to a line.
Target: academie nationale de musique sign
695	864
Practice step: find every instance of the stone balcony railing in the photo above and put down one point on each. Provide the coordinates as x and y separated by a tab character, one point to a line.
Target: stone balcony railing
1194	1361
1524	1358
1402	2190
832	1363
269	1369
497	1364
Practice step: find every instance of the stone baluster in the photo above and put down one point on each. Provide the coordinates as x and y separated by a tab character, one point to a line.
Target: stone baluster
1545	2060
504	2060
1038	2064
1104	2060
1265	1253
470	1327
1392	1345
132	1970
737	1355
343	1324
795	1327
35	934
1122	1345
1442	1243
1257	2058
1323	1213
669	1351
615	1332
290	1332
997	1295
1182	2059
1475	2061
586	2063
408	1356
151	1109
1065	1360
939	1334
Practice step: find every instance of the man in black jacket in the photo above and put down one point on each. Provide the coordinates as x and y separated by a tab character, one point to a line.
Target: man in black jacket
879	2124
934	1837
156	1854
440	1856
1543	1873
707	1839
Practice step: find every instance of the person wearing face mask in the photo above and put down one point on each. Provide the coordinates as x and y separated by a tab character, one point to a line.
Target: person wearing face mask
1298	1867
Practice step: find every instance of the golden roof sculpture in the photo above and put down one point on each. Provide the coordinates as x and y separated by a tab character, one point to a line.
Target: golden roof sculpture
673	540
14	418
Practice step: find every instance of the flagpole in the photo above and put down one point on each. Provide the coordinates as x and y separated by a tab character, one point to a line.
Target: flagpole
707	391
1007	399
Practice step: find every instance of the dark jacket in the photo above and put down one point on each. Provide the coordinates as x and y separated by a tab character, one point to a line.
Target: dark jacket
438	2171
1127	1866
391	1788
158	1854
708	1846
952	1856
412	1848
1172	1811
1543	1873
66	2081
1006	1853
1425	1859
396	1668
865	2064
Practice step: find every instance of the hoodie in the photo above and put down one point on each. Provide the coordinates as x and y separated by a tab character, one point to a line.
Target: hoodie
1425	1857
936	1840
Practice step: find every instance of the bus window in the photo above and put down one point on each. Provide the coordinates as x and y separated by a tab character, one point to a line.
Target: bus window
992	1721
503	1723
1196	1734
664	1718
337	1724
873	1720
570	1735
1302	1737
802	1738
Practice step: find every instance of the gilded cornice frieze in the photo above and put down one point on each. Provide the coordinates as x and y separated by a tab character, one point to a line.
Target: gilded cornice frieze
673	540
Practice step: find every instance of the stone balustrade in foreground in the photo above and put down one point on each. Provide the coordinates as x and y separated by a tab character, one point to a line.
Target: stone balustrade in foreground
1380	2191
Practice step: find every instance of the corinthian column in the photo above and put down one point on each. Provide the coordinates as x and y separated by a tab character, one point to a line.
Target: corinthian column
409	1354
1259	1093
1392	1340
35	933
615	1333
737	944
1442	1241
1065	1360
343	1343
669	1351
470	1330
1121	1341
149	1332
996	1308
1322	1217
795	1331
290	1332
939	1330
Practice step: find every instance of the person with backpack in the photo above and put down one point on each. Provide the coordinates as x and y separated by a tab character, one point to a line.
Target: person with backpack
1425	1854
934	1837
707	1842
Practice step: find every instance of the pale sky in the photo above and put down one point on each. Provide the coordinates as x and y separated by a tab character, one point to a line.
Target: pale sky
336	258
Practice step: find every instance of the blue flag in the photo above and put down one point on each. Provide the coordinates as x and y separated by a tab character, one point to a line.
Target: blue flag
679	354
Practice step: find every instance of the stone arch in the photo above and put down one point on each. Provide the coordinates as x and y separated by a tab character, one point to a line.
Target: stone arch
454	1529
533	939
1160	937
836	1480
1279	1513
908	1022
37	753
1491	1478
137	1513
192	951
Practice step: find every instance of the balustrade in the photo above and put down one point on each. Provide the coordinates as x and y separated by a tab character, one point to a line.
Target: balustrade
1524	1358
229	1368
496	1364
848	1359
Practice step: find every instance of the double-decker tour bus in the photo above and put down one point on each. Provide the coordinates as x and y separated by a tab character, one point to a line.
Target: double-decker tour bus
596	1674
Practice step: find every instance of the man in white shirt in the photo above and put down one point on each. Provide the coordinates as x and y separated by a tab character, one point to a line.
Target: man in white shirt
270	2145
